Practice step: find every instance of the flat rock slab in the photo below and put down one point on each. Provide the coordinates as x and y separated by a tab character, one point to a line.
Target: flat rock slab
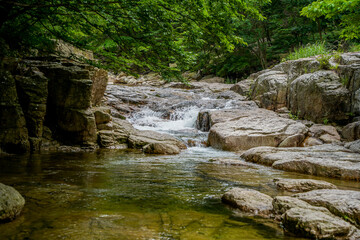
316	225
257	128
11	203
249	201
343	203
302	185
281	204
324	160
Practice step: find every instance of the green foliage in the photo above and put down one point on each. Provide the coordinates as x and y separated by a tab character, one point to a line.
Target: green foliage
324	61
293	116
345	80
345	10
354	48
309	50
137	36
326	121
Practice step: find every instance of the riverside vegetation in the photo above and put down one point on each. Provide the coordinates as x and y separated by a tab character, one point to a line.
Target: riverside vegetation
95	133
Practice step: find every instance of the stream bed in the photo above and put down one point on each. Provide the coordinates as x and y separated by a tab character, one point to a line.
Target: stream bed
125	194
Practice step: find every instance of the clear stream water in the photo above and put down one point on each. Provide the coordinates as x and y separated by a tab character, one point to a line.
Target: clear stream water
113	194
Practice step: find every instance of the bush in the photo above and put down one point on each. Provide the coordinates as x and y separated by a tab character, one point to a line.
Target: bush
354	48
308	51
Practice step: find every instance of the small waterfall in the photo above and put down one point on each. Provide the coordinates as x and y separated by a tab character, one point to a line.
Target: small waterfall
179	119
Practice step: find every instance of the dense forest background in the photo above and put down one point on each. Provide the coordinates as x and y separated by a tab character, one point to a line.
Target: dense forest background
228	38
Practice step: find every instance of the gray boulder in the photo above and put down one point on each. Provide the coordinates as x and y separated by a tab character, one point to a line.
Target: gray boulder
319	97
316	224
351	132
343	203
302	185
270	90
257	128
249	201
11	203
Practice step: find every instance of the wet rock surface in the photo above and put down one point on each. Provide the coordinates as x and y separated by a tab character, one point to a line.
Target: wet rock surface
324	160
11	203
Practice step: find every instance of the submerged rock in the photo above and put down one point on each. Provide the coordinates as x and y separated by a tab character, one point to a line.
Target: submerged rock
11	203
343	203
324	160
302	185
249	201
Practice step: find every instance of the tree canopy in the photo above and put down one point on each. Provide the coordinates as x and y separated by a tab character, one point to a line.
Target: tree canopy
130	34
348	11
229	38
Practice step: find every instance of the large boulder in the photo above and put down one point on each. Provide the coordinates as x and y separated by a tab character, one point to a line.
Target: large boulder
324	160
270	90
249	201
207	118
343	203
13	131
11	203
319	97
257	128
316	224
302	185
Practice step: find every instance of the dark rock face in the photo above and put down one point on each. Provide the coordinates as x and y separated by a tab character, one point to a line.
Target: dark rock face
51	92
13	131
32	88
